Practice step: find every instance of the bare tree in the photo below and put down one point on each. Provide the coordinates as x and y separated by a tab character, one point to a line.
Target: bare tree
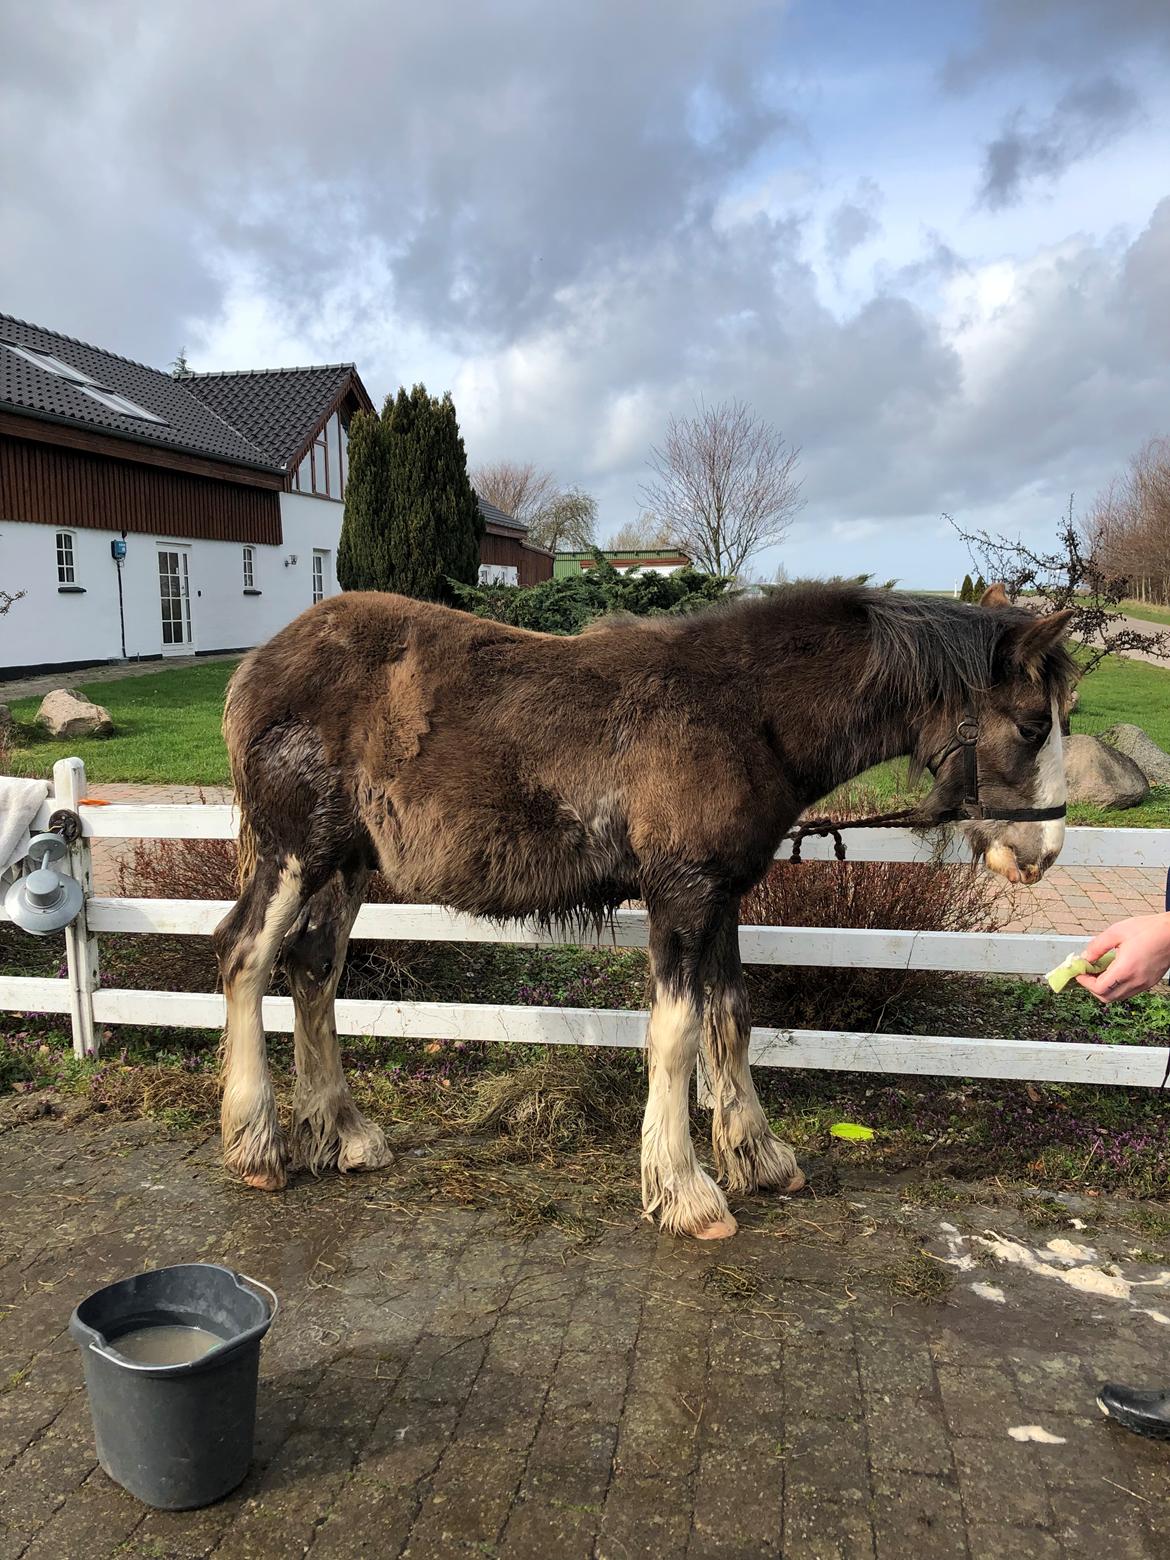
566	523
724	485
640	535
519	488
7	600
557	518
1070	576
1129	526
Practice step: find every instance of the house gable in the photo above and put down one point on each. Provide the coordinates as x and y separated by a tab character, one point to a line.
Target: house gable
299	416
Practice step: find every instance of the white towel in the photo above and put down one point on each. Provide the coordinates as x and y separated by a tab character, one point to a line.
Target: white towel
20	801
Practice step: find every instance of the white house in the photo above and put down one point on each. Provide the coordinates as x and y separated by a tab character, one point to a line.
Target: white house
146	514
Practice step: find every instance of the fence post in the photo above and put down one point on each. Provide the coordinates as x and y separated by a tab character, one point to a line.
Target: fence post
81	949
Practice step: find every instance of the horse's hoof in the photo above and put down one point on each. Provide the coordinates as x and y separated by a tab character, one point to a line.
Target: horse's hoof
796	1183
722	1229
267	1180
365	1155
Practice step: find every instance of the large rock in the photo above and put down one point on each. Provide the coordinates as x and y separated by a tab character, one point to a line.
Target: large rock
1153	761
1102	776
64	713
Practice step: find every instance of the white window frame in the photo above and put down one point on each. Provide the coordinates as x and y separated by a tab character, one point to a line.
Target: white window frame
320	573
249	567
66	568
499	574
187	615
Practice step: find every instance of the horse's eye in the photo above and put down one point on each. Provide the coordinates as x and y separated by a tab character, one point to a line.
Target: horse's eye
1033	731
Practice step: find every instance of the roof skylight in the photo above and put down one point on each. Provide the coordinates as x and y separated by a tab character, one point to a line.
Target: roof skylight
97	392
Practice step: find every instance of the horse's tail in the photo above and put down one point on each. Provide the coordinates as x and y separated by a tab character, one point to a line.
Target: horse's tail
246	839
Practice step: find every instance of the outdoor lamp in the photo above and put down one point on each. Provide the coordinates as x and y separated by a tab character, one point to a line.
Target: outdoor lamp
44	900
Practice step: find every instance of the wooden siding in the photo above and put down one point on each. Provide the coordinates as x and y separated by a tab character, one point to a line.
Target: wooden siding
42	483
530	563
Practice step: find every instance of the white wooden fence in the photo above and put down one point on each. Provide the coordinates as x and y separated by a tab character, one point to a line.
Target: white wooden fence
90	1005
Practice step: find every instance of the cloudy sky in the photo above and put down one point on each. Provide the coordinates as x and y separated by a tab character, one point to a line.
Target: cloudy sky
929	241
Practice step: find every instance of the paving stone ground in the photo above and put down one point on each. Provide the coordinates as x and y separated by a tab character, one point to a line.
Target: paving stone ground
438	1386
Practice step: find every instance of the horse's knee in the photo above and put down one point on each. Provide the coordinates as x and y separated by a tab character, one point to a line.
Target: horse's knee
310	956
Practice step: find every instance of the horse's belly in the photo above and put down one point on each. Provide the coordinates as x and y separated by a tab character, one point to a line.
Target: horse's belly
529	855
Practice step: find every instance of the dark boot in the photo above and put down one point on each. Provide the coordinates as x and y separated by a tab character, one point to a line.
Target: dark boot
1145	1411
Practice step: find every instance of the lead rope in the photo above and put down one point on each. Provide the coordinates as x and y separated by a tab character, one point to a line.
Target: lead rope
907	818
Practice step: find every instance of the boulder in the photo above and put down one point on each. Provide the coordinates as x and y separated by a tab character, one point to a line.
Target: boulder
1102	776
64	713
1153	761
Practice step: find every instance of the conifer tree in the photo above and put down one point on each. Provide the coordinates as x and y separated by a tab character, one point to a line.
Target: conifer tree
967	589
412	521
364	559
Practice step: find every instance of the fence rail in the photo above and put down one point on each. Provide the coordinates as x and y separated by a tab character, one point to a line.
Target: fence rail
88	1004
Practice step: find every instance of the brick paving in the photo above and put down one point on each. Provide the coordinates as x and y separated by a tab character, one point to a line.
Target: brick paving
1085	900
438	1386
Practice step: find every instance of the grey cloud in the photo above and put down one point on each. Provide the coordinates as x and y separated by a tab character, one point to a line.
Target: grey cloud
1087	118
485	156
533	194
853	223
1062	35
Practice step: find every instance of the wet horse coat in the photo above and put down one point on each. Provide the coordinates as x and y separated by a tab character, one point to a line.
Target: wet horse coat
506	773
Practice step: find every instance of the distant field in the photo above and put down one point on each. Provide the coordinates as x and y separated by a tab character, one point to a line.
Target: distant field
1148	614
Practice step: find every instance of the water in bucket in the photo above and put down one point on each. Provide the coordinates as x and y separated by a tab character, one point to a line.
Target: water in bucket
164	1343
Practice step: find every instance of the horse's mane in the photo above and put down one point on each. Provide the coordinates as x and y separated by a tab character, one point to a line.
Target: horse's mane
923	650
938	650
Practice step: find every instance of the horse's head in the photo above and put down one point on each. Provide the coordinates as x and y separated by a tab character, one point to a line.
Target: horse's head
1000	766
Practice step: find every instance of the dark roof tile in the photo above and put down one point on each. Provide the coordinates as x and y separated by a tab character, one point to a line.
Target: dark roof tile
277	408
185	423
496	516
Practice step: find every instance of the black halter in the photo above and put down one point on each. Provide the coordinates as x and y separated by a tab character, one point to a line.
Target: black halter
972	809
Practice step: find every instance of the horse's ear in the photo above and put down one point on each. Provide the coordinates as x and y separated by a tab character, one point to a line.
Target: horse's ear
995	596
1028	645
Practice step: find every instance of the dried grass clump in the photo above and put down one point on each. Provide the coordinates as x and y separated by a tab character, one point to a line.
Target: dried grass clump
566	1099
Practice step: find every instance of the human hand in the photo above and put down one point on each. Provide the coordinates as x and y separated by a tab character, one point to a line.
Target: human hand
1143	957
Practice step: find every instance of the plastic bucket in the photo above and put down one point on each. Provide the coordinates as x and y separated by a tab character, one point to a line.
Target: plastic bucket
176	1435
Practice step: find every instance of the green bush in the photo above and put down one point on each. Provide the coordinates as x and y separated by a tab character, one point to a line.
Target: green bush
565	606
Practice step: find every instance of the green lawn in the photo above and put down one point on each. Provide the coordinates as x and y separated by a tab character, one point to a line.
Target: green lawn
166	730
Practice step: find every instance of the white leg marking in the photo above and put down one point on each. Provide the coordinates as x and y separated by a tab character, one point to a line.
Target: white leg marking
328	1129
748	1155
253	1144
673	1185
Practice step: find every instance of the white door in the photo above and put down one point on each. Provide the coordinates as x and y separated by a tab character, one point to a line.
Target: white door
174	599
